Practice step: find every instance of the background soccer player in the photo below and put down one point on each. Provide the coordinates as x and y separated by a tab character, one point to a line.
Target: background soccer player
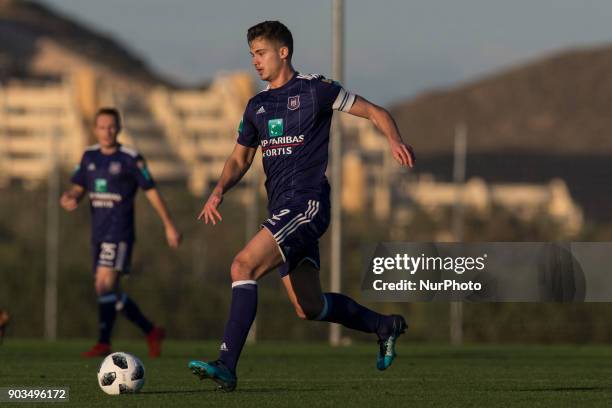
111	174
290	120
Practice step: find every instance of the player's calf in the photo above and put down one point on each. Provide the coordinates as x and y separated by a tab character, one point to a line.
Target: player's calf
310	309
304	290
256	259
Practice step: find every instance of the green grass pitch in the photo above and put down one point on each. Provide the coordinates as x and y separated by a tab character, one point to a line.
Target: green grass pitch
313	375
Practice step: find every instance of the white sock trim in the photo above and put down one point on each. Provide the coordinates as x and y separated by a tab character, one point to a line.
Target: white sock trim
243	282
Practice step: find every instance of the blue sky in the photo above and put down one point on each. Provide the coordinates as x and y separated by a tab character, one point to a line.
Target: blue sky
394	49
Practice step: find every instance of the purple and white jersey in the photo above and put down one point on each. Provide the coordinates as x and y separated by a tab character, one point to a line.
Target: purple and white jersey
111	182
291	124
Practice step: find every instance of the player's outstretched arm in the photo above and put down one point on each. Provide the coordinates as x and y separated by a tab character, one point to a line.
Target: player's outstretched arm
70	199
384	122
234	169
173	236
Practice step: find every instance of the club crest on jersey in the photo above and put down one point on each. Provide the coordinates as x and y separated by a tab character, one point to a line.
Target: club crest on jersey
293	102
275	127
91	167
114	168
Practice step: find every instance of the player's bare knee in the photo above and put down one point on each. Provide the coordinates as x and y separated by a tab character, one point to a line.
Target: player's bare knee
241	269
106	281
103	287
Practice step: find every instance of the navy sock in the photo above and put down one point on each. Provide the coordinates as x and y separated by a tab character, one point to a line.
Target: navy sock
106	316
344	310
134	315
242	314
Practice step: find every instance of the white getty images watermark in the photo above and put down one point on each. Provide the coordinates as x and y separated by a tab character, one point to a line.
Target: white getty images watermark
414	264
505	272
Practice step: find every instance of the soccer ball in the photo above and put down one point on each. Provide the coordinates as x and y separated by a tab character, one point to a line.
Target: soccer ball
121	373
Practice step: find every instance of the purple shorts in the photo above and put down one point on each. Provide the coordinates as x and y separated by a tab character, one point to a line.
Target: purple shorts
112	254
297	228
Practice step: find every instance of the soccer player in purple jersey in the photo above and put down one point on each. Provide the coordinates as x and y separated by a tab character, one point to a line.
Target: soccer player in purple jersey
111	174
290	121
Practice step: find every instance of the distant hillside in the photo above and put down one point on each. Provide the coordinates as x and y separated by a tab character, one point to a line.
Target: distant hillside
37	40
550	118
557	105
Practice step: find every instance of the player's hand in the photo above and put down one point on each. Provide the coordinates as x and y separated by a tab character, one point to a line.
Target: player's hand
68	202
403	153
210	212
173	236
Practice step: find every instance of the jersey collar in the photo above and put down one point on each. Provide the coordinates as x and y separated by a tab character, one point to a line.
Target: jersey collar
287	84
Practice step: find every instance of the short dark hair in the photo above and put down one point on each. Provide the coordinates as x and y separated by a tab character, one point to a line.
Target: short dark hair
110	112
272	31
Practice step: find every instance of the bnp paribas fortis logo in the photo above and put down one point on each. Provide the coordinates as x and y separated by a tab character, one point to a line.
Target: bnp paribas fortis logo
101	186
275	127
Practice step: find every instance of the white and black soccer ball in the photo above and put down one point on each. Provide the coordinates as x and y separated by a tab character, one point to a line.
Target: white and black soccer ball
121	373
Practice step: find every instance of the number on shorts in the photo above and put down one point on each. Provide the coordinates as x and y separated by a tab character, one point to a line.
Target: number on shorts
108	251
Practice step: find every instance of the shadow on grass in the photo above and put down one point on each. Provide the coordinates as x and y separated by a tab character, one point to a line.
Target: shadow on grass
275	390
566	389
239	391
200	390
